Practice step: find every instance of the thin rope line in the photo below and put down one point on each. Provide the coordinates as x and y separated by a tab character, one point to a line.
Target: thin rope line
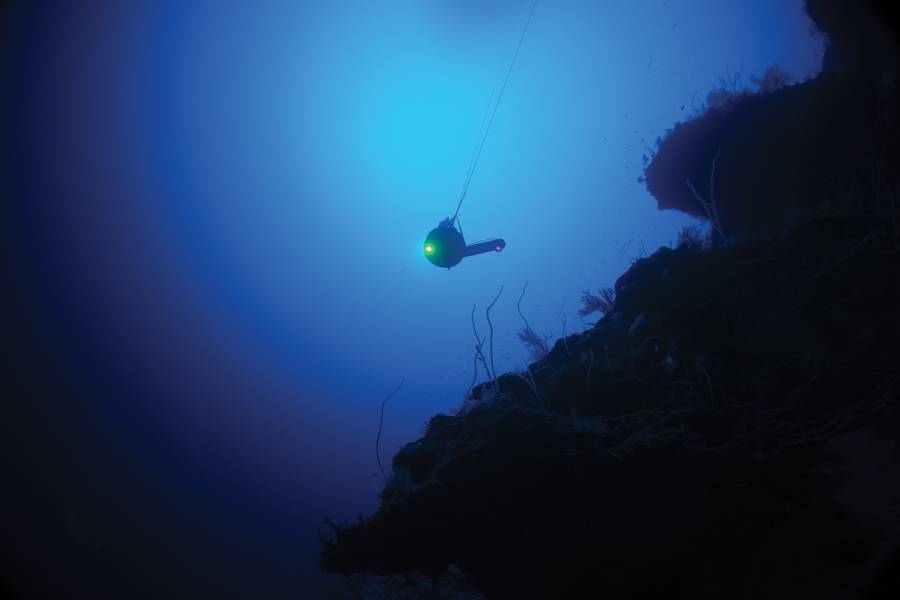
481	128
494	113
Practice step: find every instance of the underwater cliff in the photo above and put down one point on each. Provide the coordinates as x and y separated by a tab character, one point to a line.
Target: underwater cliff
729	427
782	153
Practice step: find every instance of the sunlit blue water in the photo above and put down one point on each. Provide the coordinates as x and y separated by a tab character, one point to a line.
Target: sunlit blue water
229	201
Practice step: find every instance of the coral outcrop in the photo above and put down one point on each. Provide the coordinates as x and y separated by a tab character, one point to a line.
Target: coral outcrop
825	146
729	429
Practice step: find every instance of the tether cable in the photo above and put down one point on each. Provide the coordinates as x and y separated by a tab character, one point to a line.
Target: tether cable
484	137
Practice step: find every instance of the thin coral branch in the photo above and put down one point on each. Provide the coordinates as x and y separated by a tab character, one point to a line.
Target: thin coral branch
381	426
536	345
710	206
528	378
479	352
703	203
519	305
491	325
478	356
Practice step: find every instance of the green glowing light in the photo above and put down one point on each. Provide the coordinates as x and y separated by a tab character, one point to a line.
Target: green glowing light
429	249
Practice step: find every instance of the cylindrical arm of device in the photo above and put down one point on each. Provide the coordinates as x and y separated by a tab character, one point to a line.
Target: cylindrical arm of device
482	247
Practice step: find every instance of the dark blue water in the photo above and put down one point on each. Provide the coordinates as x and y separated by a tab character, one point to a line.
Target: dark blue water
219	212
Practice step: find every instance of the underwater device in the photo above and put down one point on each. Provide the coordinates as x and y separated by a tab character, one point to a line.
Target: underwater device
445	246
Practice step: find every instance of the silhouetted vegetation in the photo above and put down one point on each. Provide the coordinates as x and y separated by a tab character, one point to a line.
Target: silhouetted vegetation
536	344
691	237
603	301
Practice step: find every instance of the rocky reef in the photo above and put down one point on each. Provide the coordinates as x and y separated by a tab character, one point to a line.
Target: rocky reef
790	152
729	428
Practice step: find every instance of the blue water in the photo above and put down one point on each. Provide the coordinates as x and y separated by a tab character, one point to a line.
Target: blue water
224	206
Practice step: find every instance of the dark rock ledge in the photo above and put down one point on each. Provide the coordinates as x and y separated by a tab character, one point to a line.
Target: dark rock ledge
729	430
